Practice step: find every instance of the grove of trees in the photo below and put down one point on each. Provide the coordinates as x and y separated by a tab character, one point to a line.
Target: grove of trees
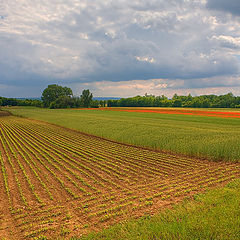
55	96
20	102
203	101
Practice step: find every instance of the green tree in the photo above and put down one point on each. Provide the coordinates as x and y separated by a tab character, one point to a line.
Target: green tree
95	104
177	103
175	96
62	102
53	92
86	98
206	103
189	97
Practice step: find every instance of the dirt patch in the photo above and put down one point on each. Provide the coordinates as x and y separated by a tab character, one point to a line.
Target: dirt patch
4	113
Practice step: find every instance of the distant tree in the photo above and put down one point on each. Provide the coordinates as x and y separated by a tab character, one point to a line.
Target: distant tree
203	101
113	103
66	102
177	103
175	96
95	104
189	97
101	103
36	103
196	103
61	102
86	98
206	103
53	92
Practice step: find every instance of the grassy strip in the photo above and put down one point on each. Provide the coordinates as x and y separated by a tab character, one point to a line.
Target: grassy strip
212	137
5	178
214	215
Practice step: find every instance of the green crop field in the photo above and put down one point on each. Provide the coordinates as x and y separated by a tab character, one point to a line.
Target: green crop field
202	136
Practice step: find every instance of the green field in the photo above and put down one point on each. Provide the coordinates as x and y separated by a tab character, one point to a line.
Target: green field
212	137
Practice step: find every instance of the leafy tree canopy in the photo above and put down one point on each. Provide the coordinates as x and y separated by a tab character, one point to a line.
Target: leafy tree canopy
86	98
53	92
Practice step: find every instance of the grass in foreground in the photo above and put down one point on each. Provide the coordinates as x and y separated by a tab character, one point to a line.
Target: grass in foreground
211	137
215	215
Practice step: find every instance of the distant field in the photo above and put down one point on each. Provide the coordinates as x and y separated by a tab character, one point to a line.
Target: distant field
58	183
214	137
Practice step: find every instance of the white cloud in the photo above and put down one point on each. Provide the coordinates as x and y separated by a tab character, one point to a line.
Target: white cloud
228	41
145	59
159	87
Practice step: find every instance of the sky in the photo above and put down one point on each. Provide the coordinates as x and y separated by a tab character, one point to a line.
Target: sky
120	48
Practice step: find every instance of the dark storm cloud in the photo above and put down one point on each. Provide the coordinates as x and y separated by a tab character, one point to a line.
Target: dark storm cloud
231	6
77	42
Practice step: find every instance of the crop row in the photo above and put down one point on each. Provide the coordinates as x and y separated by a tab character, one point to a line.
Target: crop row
119	159
69	160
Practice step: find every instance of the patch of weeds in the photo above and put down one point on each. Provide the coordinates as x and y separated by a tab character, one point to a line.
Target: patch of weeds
64	231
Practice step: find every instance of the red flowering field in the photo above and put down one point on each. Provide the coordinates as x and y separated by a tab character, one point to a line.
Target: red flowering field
222	114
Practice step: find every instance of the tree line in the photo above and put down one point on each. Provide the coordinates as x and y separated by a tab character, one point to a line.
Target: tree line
55	96
203	101
20	102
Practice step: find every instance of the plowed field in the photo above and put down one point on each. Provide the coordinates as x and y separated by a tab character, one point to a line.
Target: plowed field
58	182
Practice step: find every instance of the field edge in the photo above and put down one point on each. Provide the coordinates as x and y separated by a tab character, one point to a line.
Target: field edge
185	220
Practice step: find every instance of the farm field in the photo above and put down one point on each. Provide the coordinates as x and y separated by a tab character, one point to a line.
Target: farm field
214	137
59	182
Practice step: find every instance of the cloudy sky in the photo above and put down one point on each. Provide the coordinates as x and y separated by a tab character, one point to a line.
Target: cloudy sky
120	48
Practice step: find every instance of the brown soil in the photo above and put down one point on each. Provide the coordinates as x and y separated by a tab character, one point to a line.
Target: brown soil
63	183
4	113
